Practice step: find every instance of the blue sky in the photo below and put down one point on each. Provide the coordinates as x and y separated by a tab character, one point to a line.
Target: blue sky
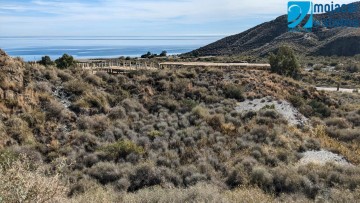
134	17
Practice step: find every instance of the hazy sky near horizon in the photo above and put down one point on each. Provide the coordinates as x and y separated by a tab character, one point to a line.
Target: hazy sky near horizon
135	17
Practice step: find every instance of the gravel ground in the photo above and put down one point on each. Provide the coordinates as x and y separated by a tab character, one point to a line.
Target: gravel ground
322	157
334	89
291	114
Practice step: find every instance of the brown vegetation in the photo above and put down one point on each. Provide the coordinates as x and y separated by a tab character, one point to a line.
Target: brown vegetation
169	136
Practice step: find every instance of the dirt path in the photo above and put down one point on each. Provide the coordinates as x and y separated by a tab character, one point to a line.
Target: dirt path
334	89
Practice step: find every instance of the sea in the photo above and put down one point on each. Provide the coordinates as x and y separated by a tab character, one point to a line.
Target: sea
86	47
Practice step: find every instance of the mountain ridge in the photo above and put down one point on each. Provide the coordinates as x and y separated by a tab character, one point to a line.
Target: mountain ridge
269	36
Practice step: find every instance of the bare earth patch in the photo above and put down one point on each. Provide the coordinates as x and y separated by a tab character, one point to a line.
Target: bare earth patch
334	89
290	113
322	157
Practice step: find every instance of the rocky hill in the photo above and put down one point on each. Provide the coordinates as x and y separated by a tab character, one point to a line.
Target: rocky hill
267	37
199	134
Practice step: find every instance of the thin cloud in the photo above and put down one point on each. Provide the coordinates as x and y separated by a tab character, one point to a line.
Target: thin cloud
128	15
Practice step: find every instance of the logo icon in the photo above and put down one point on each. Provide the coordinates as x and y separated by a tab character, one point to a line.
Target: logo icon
300	13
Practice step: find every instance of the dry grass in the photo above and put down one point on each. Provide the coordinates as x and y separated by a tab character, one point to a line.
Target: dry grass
248	195
96	194
350	151
198	193
22	181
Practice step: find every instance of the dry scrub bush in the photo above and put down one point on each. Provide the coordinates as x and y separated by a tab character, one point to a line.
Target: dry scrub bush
93	79
132	105
76	87
339	196
201	112
50	74
94	193
43	87
98	123
64	76
105	172
117	112
261	177
19	130
354	118
346	135
22	181
96	100
103	75
54	109
198	193
234	92
144	175
337	122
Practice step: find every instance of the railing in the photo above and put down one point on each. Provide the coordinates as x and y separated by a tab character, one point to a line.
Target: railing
118	66
123	66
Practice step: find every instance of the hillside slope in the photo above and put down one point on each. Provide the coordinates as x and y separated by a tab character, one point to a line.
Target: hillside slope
171	136
268	36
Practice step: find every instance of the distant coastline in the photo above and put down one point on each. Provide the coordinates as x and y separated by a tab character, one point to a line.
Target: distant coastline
85	47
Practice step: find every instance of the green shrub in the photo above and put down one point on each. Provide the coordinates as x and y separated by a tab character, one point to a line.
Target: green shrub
121	149
296	101
154	134
267	106
270	113
188	104
320	109
234	92
163	53
65	61
285	62
46	61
